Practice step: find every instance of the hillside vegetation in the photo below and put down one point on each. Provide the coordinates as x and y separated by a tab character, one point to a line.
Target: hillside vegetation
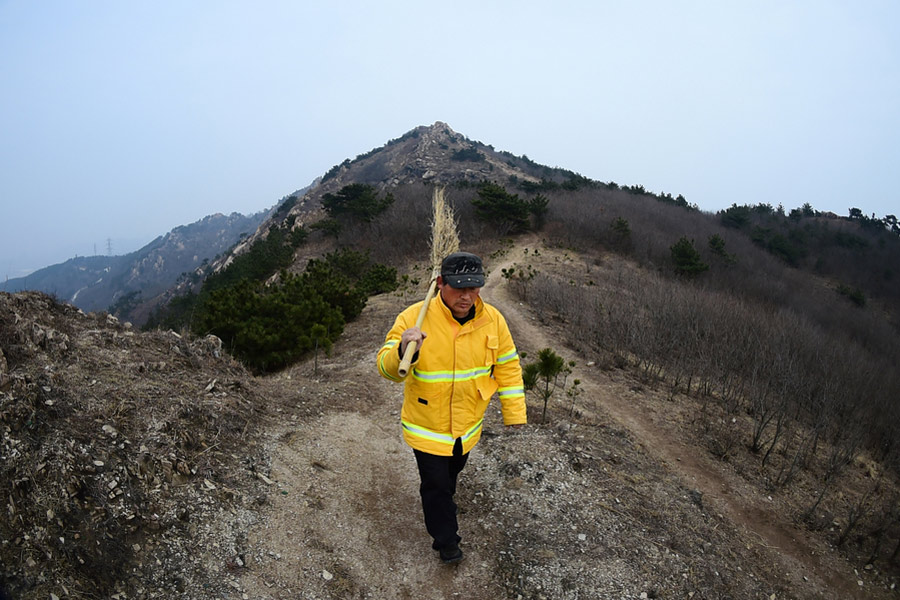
780	330
788	357
724	377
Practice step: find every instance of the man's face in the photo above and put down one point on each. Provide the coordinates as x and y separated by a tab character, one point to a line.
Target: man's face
459	300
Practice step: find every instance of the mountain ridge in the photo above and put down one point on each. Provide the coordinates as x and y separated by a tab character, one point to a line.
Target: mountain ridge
728	434
95	283
428	154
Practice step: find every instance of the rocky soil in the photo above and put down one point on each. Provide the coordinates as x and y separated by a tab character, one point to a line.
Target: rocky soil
152	466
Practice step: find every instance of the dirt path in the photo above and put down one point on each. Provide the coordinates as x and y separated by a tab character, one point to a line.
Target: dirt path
343	520
345	512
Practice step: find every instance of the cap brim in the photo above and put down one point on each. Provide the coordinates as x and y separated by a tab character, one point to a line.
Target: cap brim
465	280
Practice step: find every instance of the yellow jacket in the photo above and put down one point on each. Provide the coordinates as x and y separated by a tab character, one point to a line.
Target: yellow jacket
458	370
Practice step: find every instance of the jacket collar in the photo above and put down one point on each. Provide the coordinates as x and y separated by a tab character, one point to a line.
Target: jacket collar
481	316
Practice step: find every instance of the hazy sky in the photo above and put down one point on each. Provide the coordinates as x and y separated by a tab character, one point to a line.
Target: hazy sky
122	120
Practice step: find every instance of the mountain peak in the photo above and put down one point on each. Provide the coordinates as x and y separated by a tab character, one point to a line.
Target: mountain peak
428	153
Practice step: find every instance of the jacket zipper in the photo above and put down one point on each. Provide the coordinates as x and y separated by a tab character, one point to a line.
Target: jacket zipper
453	385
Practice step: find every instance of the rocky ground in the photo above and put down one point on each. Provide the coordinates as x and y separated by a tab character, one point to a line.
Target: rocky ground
152	466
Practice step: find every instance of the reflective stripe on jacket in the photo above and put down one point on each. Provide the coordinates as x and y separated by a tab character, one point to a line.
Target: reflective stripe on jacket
459	369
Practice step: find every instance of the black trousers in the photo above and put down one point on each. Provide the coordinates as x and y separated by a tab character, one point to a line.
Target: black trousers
438	485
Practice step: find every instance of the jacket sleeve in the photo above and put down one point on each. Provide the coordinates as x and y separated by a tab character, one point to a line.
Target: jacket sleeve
388	359
508	373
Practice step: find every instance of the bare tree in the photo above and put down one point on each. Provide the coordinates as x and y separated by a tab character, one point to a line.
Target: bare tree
858	510
843	450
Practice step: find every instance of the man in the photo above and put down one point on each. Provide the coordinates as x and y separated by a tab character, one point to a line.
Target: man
464	354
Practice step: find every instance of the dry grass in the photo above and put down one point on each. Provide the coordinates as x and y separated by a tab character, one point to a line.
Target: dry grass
444	237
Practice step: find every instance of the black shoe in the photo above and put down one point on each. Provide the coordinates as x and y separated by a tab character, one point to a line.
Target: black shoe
451	554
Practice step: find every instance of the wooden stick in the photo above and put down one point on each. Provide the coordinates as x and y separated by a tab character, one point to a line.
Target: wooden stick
411	346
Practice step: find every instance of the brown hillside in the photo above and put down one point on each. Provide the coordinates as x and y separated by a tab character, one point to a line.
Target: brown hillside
151	466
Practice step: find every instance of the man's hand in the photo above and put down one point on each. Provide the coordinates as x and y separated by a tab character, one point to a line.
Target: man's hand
413	334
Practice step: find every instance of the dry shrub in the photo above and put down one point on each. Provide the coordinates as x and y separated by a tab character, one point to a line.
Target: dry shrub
697	334
402	234
808	397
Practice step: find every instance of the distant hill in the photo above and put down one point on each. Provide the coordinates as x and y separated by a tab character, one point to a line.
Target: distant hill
430	155
95	283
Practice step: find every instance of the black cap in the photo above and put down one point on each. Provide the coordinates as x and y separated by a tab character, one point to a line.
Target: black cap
462	270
